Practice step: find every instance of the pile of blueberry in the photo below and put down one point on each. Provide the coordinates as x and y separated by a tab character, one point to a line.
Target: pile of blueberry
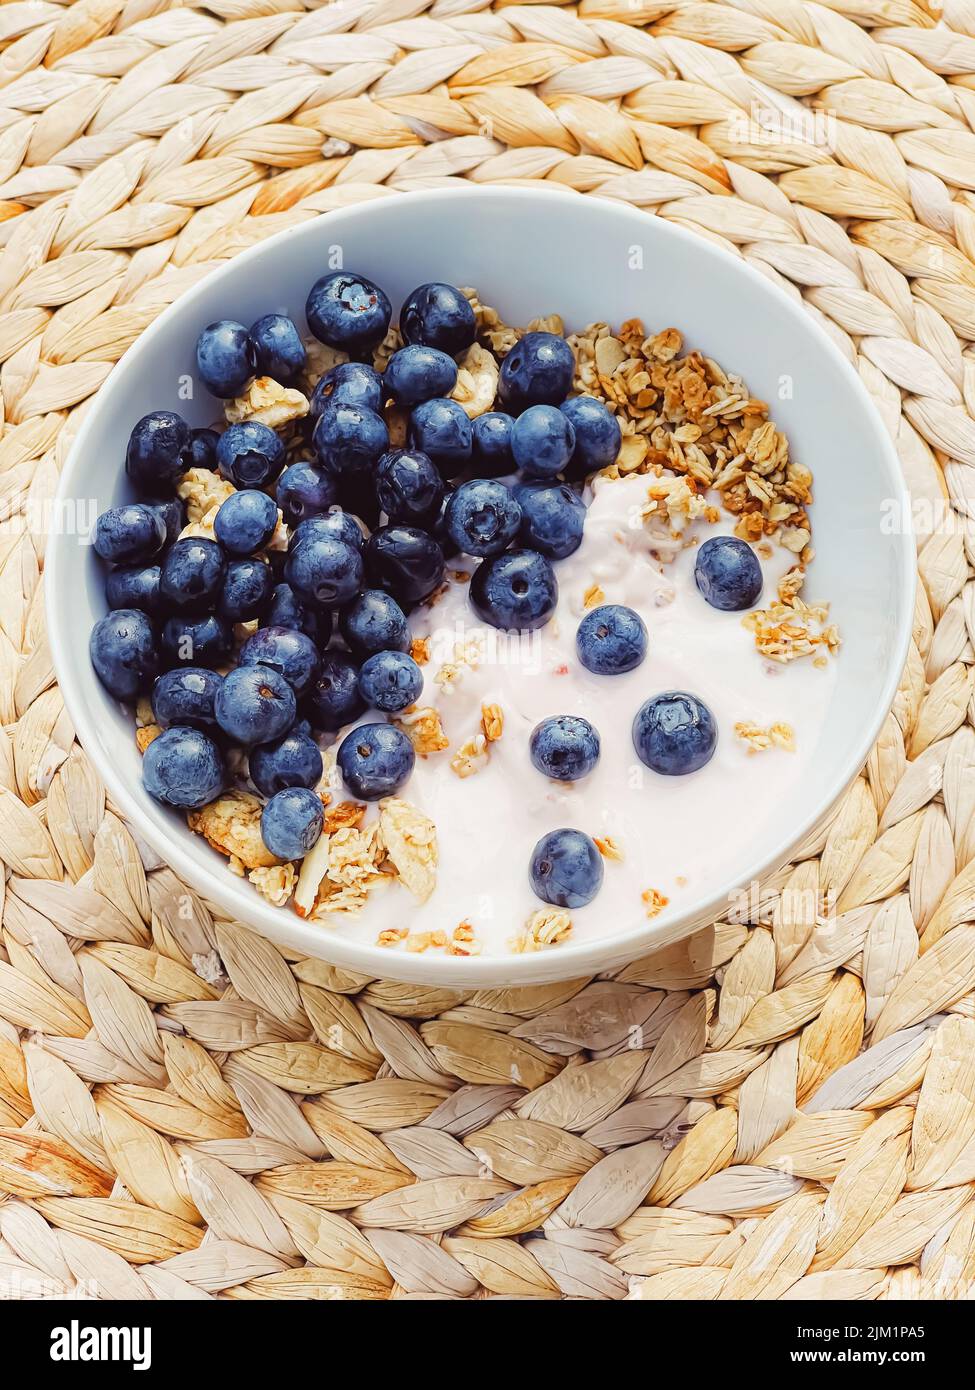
370	528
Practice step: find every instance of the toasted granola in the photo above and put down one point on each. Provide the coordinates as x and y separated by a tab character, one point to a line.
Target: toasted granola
467	655
269	403
392	342
654	902
477	381
423	728
498	336
232	825
759	740
410	839
687	416
145	735
275	883
202	527
472	755
339	873
392	936
419	941
463	941
320	358
354	855
342	816
492	722
202	490
608	848
546	927
784	632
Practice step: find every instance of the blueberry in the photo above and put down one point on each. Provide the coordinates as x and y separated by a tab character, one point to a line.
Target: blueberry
288	610
349	438
438	316
250	454
389	681
186	696
278	347
482	517
202	449
255	704
440	429
417	373
728	573
348	311
542	440
375	760
674	733
374	622
357	494
245	522
172	512
134	586
336	525
598	436
247	589
552	518
439	532
291	822
293	761
123	652
566	869
191	575
611	639
334	698
491	444
183	767
349	383
225	358
303	491
565	747
155	457
516	590
196	641
324	571
130	534
409	487
537	371
405	561
292	654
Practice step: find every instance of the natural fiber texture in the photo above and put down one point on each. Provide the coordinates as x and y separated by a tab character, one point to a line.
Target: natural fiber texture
781	1107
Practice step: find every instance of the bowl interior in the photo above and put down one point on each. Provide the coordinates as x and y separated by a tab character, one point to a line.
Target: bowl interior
529	254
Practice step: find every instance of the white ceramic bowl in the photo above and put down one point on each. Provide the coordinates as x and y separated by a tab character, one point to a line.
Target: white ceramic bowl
530	252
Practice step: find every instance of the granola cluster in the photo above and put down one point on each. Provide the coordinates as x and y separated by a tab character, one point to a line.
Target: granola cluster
546	927
347	863
759	740
352	859
686	416
267	402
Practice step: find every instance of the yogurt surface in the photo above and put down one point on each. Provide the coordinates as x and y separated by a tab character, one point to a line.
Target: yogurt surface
679	836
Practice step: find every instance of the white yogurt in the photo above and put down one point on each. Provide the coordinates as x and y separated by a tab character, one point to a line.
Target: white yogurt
679	835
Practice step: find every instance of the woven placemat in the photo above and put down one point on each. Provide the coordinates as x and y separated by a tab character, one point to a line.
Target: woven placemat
780	1107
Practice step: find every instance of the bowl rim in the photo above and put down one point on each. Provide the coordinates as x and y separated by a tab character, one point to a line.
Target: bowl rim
315	940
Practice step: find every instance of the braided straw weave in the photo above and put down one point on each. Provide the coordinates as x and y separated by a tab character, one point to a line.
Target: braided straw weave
186	1112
